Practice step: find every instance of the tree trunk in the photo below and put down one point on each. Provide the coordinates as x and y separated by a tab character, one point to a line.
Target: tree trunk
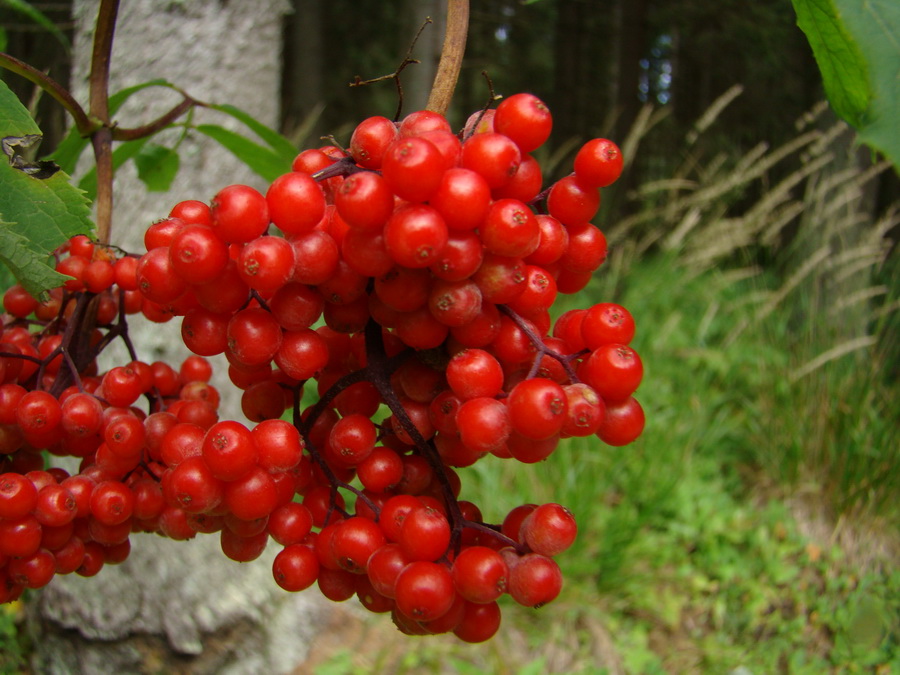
179	607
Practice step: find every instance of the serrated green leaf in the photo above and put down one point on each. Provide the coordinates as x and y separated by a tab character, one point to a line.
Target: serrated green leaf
28	264
265	162
47	211
16	120
843	67
875	25
40	19
120	155
280	144
38	215
157	166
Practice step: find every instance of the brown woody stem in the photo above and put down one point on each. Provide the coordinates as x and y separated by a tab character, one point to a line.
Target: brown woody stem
82	122
101	139
451	57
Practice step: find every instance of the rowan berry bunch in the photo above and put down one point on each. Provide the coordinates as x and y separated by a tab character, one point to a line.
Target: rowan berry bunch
408	281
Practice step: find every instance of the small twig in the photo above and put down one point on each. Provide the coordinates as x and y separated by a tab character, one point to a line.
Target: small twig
494	531
395	76
341	167
542	350
492	98
160	123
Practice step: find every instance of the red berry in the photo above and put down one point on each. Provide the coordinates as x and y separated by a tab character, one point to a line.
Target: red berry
239	214
525	119
598	163
295	203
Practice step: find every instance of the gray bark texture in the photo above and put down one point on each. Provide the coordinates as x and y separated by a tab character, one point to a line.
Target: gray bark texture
179	607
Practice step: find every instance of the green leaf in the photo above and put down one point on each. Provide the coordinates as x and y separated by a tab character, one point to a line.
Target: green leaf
40	19
875	24
265	162
27	262
857	47
280	144
69	150
16	120
37	214
840	60
157	167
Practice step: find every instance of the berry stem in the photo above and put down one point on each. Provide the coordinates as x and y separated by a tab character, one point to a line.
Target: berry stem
451	56
379	367
542	349
494	531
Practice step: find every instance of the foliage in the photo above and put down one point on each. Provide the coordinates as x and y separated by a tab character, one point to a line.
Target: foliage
37	214
857	47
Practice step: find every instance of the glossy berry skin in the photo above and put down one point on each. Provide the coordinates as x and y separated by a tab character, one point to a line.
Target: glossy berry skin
354	542
474	373
613	370
156	277
112	502
370	140
534	580
598	163
415	235
525	119
295	568
510	229
623	423
239	214
585	410
425	534
572	203
295	203
229	450
192	487
302	354
607	322
365	201
197	255
18	495
480	574
493	156
479	623
424	591
537	408
266	264
463	198
549	530
412	168
254	336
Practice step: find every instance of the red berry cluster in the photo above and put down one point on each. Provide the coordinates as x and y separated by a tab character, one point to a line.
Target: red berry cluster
54	400
410	278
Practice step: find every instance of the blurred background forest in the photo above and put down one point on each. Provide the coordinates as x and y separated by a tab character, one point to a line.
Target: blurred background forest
755	524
